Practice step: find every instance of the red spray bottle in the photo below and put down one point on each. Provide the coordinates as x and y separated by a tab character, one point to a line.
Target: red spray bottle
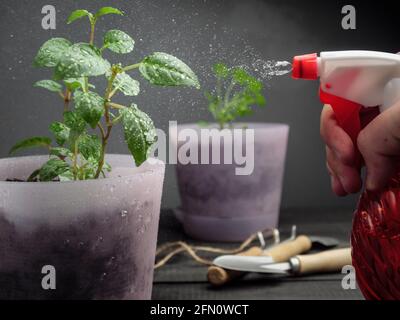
359	85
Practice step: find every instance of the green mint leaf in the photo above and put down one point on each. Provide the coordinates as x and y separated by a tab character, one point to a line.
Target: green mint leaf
74	122
76	83
61	152
89	146
51	52
31	143
259	100
49	85
52	169
33	175
90	106
221	70
81	60
166	70
78	14
242	77
60	132
227	105
139	132
118	41
255	85
128	86
108	10
66	176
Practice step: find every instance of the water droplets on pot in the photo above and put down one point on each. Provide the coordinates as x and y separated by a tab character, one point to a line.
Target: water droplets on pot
124	213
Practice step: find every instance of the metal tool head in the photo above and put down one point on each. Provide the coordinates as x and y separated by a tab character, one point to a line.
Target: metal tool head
243	263
324	242
258	264
277	268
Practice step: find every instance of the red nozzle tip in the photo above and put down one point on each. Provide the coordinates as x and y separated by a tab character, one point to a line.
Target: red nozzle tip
305	67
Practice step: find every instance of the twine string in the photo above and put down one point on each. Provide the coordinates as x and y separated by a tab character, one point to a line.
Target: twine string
171	249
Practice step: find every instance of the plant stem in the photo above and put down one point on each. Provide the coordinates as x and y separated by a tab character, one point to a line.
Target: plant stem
105	134
75	160
131	67
228	92
86	85
113	92
91	41
102	132
116	105
67	99
116	119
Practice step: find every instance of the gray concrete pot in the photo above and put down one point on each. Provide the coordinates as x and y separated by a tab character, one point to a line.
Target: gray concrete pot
99	235
217	204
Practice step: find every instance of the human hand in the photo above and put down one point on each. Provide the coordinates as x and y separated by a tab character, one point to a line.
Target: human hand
378	142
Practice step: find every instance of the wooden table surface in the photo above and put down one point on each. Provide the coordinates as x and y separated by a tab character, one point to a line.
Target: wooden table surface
182	278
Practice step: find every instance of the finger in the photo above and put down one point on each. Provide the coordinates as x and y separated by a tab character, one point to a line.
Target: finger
336	138
380	150
379	171
348	176
336	186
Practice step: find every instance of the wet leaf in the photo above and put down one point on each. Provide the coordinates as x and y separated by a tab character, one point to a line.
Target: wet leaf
166	70
128	86
33	175
78	14
139	132
89	146
53	169
51	51
118	41
108	10
49	85
31	143
221	70
61	152
66	176
74	122
236	100
81	60
76	83
60	131
90	106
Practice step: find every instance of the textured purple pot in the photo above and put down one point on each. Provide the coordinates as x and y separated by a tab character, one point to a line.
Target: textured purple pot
217	204
100	235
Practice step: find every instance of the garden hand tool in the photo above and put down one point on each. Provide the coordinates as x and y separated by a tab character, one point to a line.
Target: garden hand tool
281	252
323	262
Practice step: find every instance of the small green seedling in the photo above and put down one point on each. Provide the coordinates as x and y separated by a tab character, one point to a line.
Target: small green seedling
236	91
80	154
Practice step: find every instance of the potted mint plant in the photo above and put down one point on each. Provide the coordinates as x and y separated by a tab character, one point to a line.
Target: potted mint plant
79	223
229	199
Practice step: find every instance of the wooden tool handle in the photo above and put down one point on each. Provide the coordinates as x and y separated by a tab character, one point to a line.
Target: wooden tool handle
218	276
284	251
326	261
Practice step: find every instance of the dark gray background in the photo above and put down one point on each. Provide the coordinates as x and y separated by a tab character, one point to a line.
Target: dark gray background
200	32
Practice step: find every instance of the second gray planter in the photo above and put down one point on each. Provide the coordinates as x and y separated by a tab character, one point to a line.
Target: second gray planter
219	205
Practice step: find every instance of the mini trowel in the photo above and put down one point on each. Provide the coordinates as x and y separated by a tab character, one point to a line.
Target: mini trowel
281	252
326	261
